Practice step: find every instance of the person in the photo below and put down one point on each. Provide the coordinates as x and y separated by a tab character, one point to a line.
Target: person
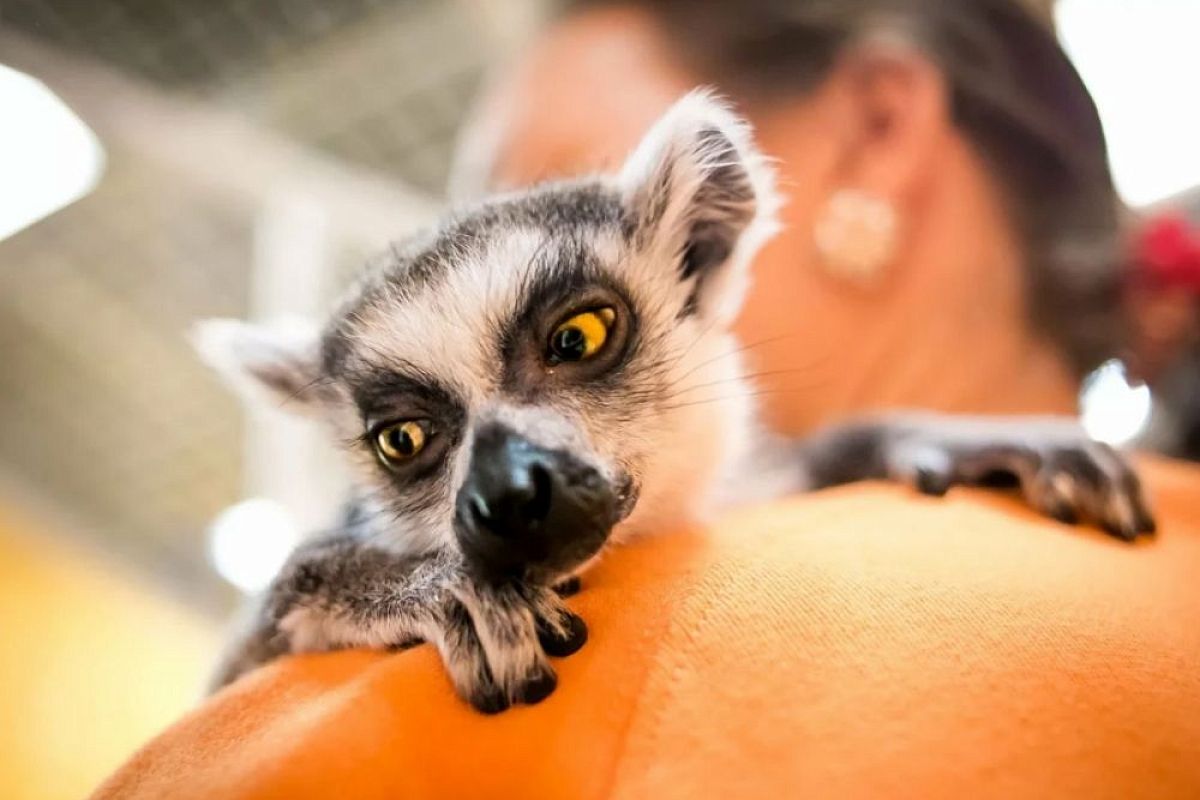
952	241
951	234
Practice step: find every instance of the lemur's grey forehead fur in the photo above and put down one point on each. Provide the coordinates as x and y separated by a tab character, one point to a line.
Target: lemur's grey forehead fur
568	210
562	221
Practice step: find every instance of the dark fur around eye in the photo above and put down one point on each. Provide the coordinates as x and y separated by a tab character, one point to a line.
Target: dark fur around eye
425	464
385	398
554	297
382	393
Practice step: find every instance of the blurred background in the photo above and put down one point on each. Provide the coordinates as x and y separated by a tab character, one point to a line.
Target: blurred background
167	160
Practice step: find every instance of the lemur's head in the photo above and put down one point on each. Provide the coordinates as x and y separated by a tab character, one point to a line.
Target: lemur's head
550	363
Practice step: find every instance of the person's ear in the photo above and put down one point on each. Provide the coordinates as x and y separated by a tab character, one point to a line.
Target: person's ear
892	115
896	112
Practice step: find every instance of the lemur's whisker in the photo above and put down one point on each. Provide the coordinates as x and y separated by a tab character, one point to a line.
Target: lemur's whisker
729	354
738	396
745	378
812	368
684	402
295	395
703	334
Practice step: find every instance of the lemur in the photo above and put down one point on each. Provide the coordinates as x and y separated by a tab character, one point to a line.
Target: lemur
550	373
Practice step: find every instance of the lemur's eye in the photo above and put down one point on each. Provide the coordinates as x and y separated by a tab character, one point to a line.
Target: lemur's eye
581	336
399	442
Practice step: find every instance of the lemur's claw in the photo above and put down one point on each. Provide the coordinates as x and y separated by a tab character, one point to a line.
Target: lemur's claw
489	700
569	587
1119	531
1064	513
567	639
538	687
932	482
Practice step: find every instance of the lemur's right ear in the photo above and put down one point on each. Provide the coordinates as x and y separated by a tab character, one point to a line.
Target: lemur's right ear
281	361
701	197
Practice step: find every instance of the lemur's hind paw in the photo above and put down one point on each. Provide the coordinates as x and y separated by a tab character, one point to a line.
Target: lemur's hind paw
1060	471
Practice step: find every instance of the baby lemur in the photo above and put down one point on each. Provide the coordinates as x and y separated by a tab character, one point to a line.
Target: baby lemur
552	372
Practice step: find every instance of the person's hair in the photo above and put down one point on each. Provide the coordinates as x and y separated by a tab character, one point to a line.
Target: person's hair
1014	93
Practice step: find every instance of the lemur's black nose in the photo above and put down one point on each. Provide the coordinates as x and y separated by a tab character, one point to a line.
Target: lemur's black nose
510	489
523	506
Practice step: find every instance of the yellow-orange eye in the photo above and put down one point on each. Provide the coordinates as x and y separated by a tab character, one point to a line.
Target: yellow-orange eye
581	336
400	442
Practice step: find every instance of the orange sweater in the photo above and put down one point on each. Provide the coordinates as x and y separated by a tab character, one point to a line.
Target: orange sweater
863	642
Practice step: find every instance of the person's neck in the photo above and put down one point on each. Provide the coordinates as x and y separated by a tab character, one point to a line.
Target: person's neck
944	329
964	277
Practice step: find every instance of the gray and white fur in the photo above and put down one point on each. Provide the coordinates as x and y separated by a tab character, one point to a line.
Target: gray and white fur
533	463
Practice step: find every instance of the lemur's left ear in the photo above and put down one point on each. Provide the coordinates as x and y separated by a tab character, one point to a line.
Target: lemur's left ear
281	361
702	198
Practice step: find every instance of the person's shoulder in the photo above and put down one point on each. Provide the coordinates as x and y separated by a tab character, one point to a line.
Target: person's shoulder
844	642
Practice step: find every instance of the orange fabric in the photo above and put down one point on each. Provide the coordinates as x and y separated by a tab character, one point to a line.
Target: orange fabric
863	642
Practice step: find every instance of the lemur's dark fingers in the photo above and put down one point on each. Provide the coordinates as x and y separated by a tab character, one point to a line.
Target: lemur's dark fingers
560	631
1120	504
466	662
1055	494
932	482
1067	477
1146	521
927	468
568	587
565	639
1091	481
505	623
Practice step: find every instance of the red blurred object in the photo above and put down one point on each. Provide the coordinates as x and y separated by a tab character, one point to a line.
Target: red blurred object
1167	253
1163	294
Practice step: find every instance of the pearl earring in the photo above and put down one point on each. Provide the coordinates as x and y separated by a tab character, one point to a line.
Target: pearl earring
855	235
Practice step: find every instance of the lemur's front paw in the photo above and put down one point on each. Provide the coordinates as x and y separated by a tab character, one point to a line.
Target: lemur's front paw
496	640
1061	472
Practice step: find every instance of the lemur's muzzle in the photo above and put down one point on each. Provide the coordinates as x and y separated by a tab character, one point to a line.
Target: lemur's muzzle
524	510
